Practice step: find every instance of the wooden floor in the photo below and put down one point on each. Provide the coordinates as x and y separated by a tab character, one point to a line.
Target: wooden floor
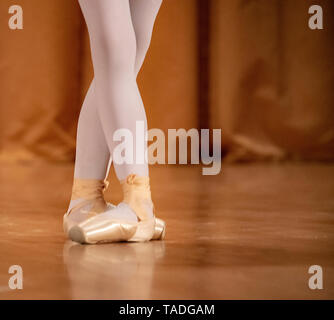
250	233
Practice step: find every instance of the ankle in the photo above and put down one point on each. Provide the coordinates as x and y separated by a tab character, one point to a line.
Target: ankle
137	195
88	191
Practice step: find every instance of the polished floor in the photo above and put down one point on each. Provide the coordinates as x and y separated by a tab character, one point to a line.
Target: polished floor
250	233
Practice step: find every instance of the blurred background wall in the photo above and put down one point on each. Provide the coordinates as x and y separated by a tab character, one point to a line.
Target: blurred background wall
250	67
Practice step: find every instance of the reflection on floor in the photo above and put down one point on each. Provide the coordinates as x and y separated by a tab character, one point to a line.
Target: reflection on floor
251	232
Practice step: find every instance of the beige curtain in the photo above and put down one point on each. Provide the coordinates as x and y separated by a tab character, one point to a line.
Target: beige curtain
272	79
45	72
270	86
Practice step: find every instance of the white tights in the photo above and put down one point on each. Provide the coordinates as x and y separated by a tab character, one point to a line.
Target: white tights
120	33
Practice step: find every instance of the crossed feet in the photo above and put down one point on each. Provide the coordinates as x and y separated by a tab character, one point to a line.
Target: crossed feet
90	219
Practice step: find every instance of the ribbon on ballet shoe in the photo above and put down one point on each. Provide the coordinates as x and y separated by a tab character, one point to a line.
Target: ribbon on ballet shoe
91	191
137	194
138	182
88	188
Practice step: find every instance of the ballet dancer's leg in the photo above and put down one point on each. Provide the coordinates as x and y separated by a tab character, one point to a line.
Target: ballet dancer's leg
114	44
92	152
143	15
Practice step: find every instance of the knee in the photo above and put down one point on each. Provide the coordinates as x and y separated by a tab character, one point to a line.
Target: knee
115	51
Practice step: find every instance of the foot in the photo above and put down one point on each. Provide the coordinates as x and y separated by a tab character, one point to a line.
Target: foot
132	220
117	223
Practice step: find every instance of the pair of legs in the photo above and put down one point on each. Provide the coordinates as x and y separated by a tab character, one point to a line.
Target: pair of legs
120	33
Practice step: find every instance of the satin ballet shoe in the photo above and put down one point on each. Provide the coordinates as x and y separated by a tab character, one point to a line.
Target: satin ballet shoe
101	228
88	232
69	223
90	192
159	230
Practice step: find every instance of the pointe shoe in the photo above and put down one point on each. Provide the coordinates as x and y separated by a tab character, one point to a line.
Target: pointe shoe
159	230
101	228
77	235
69	223
92	204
